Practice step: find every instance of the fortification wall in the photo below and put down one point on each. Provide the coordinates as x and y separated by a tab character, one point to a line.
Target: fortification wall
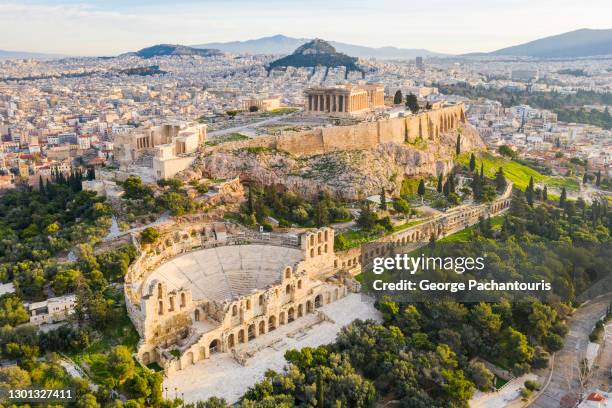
365	135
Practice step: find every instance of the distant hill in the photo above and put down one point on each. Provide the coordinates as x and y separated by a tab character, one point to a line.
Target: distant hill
283	45
314	53
161	50
28	55
579	43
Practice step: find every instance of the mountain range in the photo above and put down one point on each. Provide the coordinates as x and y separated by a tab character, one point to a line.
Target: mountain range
578	43
283	45
164	50
28	55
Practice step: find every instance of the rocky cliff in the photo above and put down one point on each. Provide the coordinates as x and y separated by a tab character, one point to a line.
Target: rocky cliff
350	173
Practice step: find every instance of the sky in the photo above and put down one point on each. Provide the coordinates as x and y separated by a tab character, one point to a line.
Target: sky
110	27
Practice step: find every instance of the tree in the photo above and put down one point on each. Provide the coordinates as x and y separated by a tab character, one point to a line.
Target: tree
506	150
440	185
585	178
545	194
529	192
421	189
481	376
482	172
383	199
472	162
149	235
87	401
120	363
401	206
458	145
412	103
598	178
500	179
562	198
367	219
12	311
398	98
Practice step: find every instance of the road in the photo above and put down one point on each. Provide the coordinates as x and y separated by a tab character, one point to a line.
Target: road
565	374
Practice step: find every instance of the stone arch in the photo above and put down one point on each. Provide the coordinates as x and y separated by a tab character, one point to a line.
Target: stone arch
241	336
262	328
230	340
196	315
159	290
251	331
281	318
234	310
288	289
318	302
309	308
287	273
299	284
300	311
290	315
271	323
336	294
190	358
161	307
214	346
183	300
312	252
146	358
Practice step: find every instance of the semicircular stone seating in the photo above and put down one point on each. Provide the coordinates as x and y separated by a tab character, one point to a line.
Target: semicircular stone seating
224	273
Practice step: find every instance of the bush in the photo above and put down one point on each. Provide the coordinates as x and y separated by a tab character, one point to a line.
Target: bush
532	385
149	235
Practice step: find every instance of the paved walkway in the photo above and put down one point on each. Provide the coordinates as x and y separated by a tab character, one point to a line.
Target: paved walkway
222	376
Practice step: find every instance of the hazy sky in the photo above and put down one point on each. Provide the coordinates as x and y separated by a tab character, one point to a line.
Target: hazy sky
108	27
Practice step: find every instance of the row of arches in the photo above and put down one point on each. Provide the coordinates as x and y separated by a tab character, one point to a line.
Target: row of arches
260	327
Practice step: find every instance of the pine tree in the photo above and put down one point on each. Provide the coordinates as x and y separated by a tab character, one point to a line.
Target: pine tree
439	187
545	194
412	103
398	98
472	162
383	199
458	145
563	198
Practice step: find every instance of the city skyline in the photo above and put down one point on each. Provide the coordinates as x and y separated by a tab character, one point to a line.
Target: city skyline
108	28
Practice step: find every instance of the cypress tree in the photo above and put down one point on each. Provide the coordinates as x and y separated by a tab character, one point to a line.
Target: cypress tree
598	178
472	162
562	198
458	145
439	187
481	172
545	194
421	188
383	199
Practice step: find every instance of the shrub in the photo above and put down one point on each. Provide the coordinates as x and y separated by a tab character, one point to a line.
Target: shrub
149	235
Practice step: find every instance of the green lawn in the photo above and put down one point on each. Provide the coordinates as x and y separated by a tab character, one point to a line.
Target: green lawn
499	382
518	173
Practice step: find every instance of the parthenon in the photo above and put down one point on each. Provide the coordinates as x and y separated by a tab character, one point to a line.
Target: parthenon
345	99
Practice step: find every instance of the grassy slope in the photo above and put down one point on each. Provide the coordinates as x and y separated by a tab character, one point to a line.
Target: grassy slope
517	173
